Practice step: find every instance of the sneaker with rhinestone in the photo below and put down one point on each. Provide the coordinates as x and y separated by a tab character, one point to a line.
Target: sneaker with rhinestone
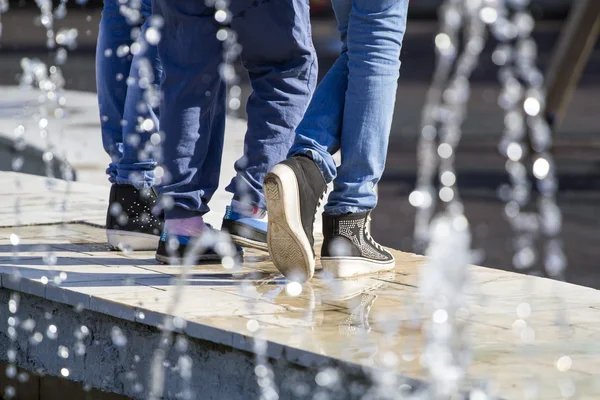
211	246
247	228
130	221
348	248
293	189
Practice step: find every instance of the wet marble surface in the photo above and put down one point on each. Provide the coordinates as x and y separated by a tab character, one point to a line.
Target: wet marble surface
372	321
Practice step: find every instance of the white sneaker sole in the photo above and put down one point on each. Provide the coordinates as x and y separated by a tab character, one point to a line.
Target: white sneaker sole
348	267
249	243
120	240
288	244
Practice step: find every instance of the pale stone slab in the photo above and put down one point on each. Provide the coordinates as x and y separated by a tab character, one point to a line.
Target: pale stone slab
359	321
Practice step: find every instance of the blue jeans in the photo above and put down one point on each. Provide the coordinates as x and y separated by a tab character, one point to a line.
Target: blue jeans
353	106
277	52
124	105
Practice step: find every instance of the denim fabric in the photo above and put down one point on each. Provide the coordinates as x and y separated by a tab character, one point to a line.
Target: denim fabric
120	97
353	106
278	54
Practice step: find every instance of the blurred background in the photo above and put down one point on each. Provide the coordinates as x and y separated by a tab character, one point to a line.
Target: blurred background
480	167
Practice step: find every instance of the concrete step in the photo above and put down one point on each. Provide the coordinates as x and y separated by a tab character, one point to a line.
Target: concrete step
228	320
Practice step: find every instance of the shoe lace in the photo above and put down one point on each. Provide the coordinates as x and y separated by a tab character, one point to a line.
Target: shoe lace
319	204
369	237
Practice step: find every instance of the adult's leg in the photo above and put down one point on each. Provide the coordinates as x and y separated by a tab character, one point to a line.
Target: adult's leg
318	135
192	109
375	33
111	76
278	53
138	161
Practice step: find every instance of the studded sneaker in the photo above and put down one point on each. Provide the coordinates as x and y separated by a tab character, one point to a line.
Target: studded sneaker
130	222
293	189
348	248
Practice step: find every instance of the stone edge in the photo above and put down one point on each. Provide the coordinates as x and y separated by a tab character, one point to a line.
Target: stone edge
155	319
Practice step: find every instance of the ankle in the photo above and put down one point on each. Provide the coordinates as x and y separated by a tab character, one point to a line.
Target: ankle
191	226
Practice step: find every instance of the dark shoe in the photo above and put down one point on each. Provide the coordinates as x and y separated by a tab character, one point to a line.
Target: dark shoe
293	189
348	248
130	222
212	247
246	231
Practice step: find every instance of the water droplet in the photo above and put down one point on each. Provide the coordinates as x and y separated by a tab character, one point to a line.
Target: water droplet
11	371
28	325
147	125
523	310
443	42
52	332
118	338
10	392
541	167
293	289
122	50
440	316
153	36
155	139
448	178
36	338
63	352
488	15
446	194
252	325
327	377
514	151
564	363
445	150
14	239
532	106
222	34
221	16
23	377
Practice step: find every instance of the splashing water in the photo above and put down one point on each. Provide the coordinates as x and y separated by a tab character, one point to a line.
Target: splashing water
444	278
523	100
527	142
49	83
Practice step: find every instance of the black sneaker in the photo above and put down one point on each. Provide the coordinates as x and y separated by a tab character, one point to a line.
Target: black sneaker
130	222
348	248
293	189
211	247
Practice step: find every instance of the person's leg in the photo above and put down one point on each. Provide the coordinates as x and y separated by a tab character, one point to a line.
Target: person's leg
374	35
318	134
375	32
192	107
278	53
130	223
294	187
192	117
140	119
111	75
